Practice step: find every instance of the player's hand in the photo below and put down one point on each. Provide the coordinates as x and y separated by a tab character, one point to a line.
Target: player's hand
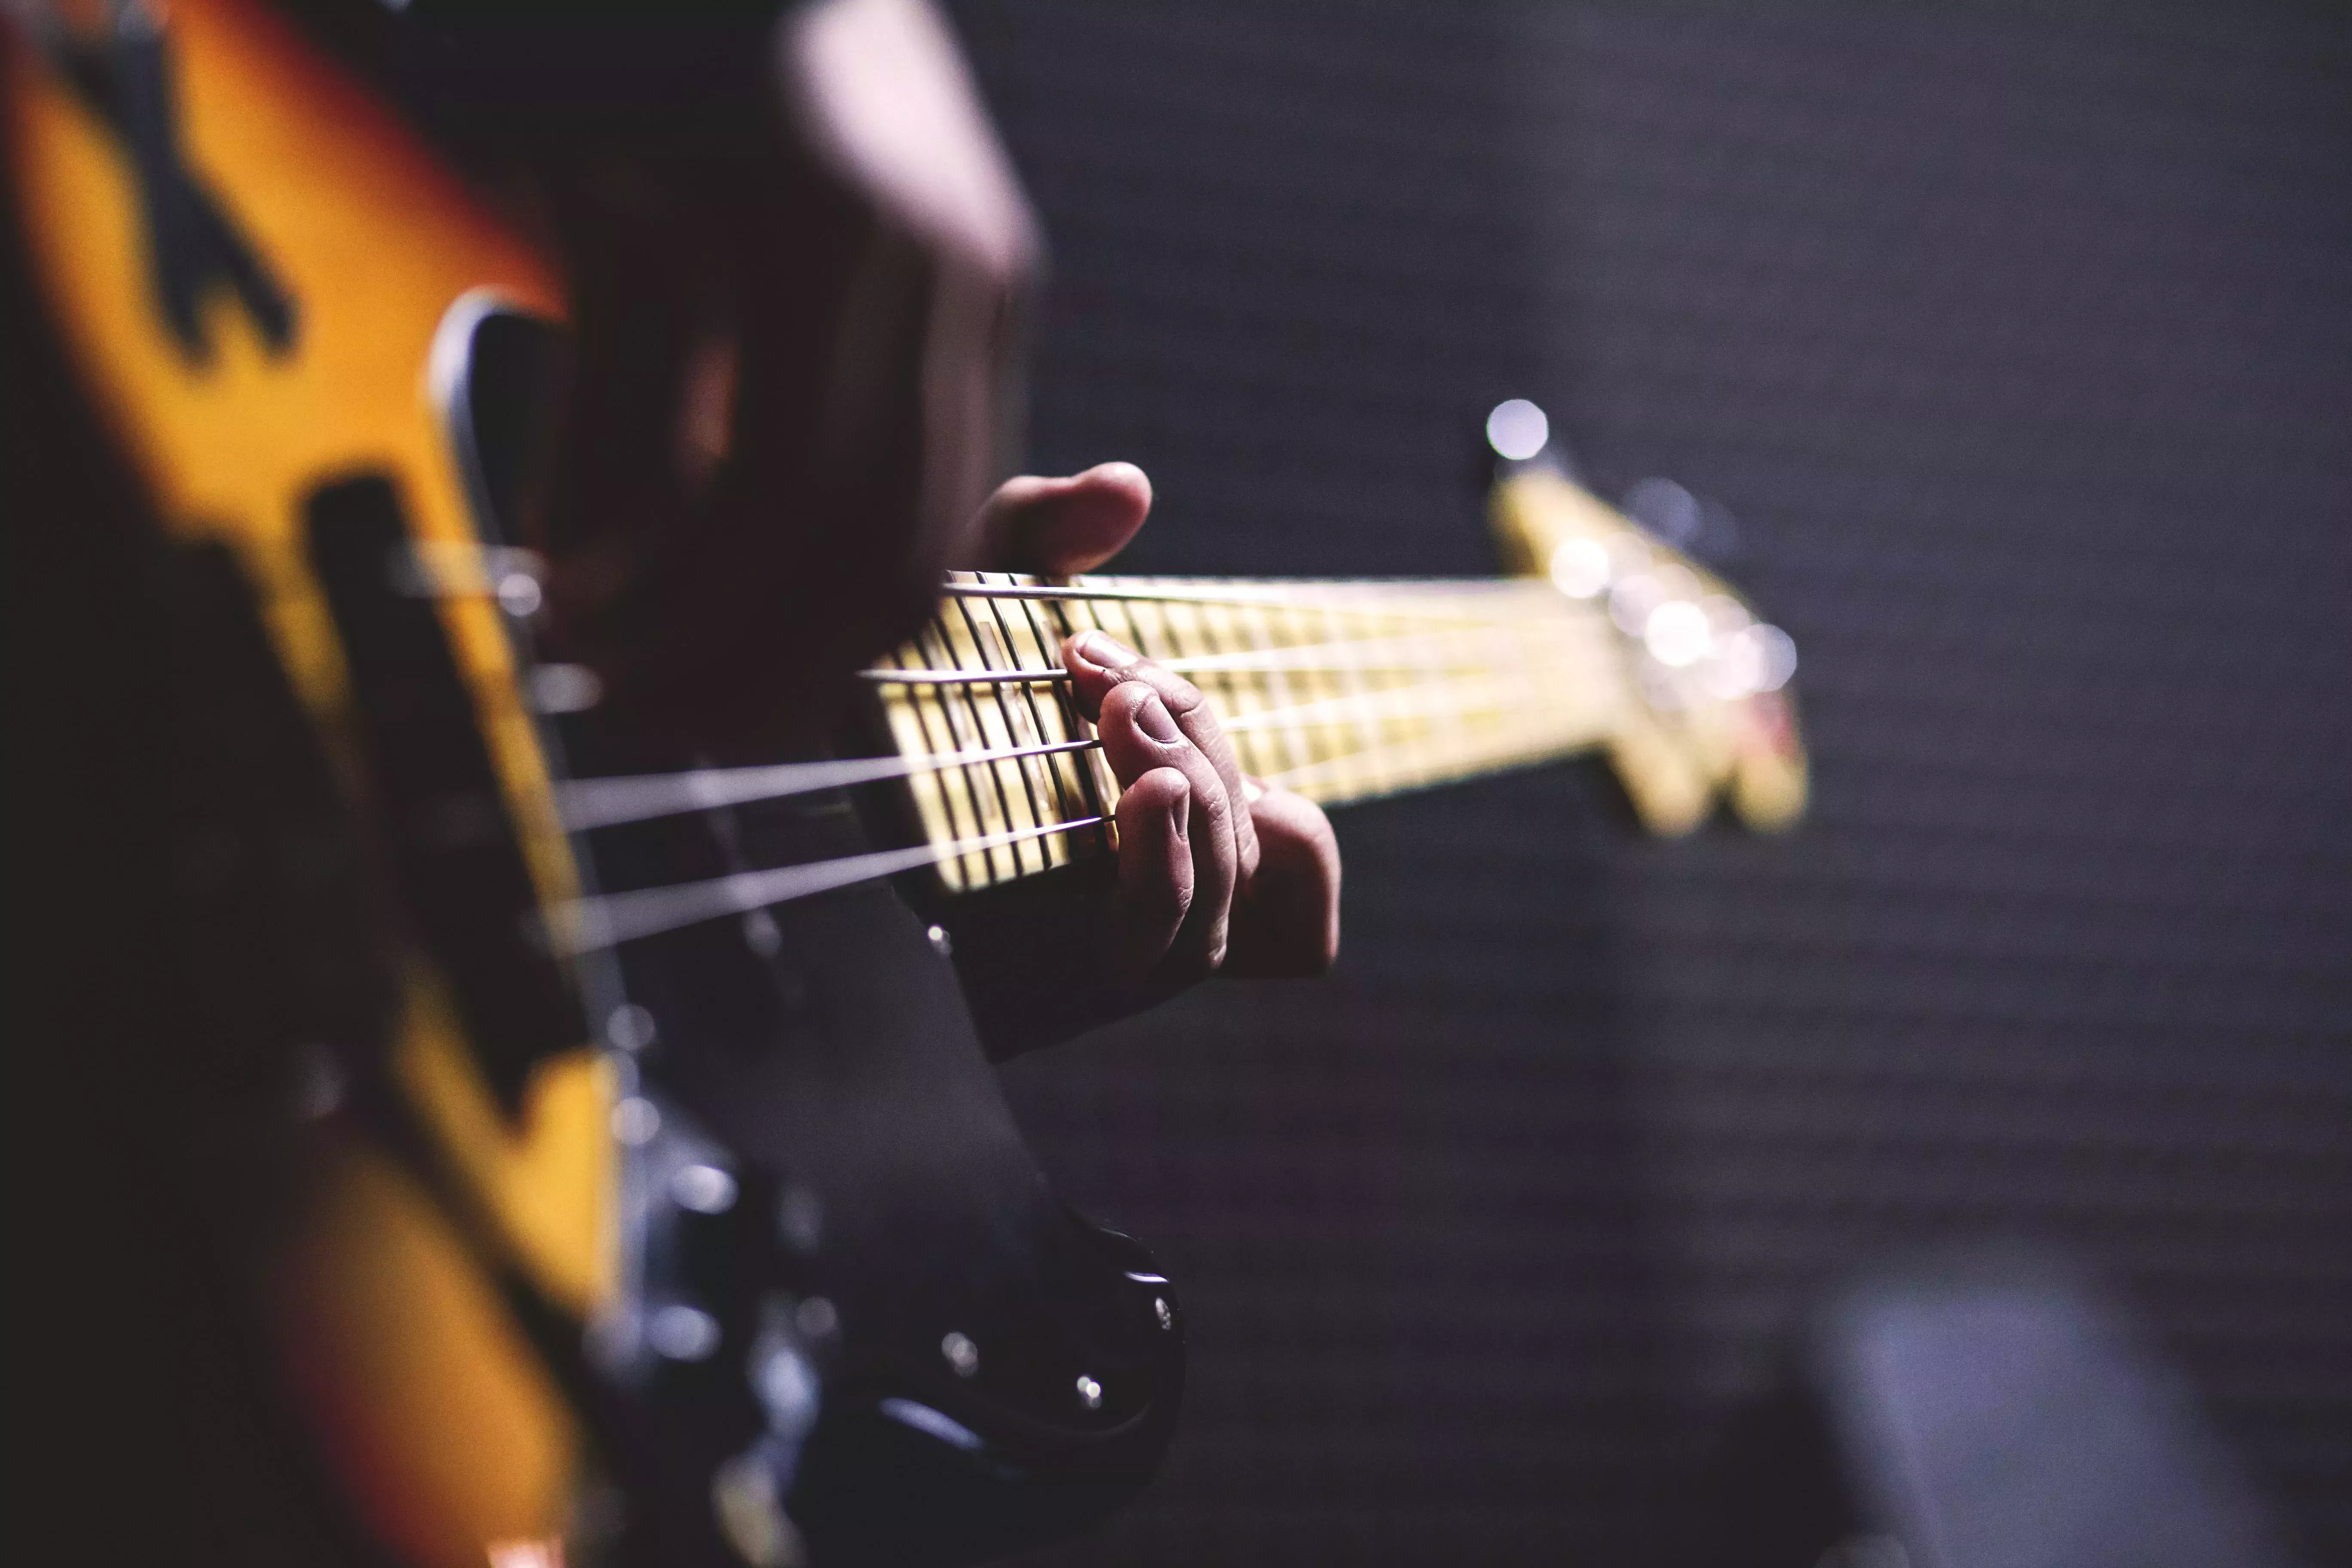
1218	872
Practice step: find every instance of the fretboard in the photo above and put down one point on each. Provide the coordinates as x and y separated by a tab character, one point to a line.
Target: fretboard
1338	690
1605	638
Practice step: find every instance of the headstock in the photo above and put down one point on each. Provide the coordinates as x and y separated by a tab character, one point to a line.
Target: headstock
1708	709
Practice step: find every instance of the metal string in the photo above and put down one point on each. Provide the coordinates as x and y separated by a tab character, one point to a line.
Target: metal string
586	804
607	919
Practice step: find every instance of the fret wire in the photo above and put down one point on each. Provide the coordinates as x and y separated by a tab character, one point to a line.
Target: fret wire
988	807
1397	736
1534	750
1079	615
1424	744
1016	623
961	724
1254	635
1364	719
1045	785
1535	710
1229	632
1322	737
1455	728
1027	611
986	637
932	792
1367	711
1084	616
1520	707
1276	692
1210	632
1367	729
1284	746
1423	751
1011	731
1341	690
993	779
1412	650
1175	627
920	710
1084	771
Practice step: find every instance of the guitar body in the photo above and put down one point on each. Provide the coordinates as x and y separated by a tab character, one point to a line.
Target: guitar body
419	1386
708	1238
724	1249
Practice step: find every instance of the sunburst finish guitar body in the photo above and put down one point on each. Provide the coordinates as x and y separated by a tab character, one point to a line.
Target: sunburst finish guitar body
269	288
425	1395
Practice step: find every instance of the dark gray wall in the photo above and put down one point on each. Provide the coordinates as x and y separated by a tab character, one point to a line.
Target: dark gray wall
2022	355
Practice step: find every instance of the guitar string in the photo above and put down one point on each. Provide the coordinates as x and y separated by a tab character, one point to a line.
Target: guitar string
1415	654
1065	721
982	786
1384	595
592	803
958	804
596	803
607	919
981	652
995	811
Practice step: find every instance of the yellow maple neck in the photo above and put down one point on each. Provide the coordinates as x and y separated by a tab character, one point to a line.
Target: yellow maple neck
1343	690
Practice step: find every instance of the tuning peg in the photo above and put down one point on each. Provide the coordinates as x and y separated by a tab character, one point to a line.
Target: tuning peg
1519	433
1690	522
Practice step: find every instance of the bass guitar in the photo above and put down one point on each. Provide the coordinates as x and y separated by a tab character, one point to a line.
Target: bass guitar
478	958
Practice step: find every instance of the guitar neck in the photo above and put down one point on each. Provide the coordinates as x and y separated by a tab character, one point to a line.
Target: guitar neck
1607	640
1338	690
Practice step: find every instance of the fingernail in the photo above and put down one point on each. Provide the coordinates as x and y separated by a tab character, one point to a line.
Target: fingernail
1104	652
1152	718
1180	815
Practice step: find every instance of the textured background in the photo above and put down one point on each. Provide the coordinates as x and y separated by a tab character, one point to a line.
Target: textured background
2021	355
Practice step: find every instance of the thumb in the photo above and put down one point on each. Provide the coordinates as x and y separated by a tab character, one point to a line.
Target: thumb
1056	527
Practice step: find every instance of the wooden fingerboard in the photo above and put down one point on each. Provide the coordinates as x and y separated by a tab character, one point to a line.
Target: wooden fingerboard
1338	690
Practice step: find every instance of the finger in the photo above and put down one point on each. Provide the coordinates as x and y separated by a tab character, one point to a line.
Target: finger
1057	527
1286	919
1155	872
1097	661
1138	735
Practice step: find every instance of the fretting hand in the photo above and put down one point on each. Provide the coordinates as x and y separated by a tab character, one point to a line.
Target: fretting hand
1218	872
